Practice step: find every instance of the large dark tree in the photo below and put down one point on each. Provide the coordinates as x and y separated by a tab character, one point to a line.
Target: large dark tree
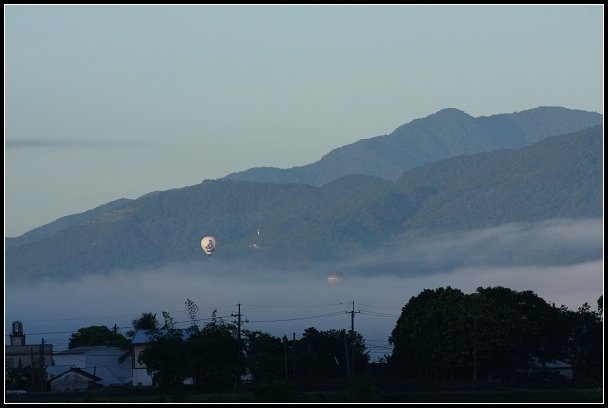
494	333
147	321
214	355
208	355
265	356
97	336
433	337
523	327
587	345
328	354
165	355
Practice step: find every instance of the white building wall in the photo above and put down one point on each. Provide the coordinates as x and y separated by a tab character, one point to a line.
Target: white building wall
141	378
109	358
75	360
140	375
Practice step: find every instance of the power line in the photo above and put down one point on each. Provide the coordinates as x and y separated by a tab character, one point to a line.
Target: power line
380	307
288	306
75	318
352	312
297	318
115	316
188	321
378	314
209	307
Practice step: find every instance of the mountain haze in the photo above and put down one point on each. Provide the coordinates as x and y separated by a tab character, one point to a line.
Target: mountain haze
447	133
557	177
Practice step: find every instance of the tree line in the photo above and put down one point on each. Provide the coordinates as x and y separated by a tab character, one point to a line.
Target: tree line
495	334
215	355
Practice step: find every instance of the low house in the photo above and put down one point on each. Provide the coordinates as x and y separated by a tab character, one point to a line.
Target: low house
74	379
100	361
562	368
565	370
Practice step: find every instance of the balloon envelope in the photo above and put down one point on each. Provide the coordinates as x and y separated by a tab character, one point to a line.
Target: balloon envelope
334	277
208	244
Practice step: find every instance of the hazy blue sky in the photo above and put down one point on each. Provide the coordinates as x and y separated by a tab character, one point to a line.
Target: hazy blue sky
105	102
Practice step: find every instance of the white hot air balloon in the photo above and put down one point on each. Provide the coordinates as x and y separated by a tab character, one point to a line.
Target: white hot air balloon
208	245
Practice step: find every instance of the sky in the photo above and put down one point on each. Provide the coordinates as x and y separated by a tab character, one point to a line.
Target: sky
106	102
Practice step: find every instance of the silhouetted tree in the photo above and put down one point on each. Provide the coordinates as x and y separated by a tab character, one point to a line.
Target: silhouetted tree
523	328
495	331
97	336
265	356
323	354
147	321
207	355
212	353
165	356
433	336
587	347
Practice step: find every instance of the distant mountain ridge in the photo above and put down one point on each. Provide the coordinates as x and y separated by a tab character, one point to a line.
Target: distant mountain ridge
558	177
447	133
66	222
389	156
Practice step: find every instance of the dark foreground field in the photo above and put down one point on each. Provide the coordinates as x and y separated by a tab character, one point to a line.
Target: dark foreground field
286	393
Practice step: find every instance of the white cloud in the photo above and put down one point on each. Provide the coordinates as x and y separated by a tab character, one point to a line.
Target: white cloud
284	302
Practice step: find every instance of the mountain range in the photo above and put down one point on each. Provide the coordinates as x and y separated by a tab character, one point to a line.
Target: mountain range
447	133
446	172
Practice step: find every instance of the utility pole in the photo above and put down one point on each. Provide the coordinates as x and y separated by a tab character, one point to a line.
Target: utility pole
237	377
352	334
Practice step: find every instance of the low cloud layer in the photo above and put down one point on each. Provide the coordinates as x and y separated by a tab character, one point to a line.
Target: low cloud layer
289	301
553	242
